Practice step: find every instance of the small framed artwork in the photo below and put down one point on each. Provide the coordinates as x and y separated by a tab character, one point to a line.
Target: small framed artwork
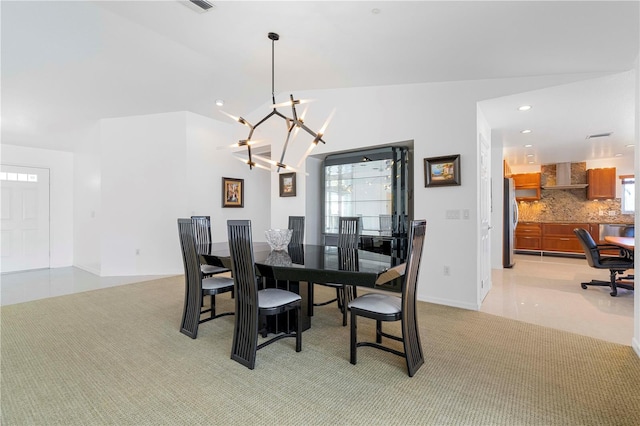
442	171
287	184
232	192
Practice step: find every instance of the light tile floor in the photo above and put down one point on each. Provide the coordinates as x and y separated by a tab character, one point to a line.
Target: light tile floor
538	290
18	287
545	290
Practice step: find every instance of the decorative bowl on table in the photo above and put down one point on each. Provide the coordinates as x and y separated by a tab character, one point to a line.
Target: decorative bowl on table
278	239
279	258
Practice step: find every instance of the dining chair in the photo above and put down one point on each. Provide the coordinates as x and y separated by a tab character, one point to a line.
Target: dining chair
251	303
296	223
197	287
348	237
202	233
384	307
615	264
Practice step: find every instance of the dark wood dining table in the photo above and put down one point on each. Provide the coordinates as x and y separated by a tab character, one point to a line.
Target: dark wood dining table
308	263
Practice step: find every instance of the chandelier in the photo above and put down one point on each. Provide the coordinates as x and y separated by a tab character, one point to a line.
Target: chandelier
293	124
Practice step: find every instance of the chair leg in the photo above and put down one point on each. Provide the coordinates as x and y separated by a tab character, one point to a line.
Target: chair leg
614	288
378	331
353	345
213	306
298	329
310	299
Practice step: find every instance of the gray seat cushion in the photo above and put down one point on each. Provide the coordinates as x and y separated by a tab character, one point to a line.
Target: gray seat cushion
216	283
380	303
210	269
272	297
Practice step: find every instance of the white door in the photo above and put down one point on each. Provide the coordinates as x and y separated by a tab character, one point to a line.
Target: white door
25	218
485	218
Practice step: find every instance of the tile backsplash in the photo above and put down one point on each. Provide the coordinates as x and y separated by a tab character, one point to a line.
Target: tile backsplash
571	205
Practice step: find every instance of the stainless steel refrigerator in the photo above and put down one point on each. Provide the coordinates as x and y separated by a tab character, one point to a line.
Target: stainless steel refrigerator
510	219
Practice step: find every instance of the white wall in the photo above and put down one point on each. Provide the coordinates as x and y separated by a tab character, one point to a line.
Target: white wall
87	212
157	168
441	118
60	165
209	159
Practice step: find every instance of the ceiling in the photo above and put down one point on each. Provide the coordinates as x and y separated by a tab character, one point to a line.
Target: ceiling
66	64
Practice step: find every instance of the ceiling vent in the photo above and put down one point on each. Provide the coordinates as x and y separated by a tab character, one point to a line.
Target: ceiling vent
199	6
599	135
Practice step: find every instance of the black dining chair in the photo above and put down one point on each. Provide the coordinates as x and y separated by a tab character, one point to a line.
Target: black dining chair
348	238
197	287
296	223
384	307
202	232
251	303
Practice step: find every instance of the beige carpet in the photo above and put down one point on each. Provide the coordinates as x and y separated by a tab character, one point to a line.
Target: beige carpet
115	356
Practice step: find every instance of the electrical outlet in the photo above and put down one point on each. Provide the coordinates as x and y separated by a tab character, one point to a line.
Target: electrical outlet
612	212
446	271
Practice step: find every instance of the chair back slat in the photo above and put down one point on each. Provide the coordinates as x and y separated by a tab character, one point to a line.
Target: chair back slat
246	287
202	229
192	277
296	223
348	232
414	356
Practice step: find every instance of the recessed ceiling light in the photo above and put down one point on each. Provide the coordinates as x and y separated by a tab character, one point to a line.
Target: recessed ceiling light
524	108
375	11
531	162
526	131
528	145
529	155
630	145
618	155
219	102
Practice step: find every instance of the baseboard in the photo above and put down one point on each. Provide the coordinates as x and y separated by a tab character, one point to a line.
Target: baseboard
94	271
452	303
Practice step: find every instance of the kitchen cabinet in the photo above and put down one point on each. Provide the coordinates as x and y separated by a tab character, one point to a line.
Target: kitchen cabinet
602	183
559	237
527	186
528	236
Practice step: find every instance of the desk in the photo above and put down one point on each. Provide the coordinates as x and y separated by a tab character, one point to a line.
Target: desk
314	263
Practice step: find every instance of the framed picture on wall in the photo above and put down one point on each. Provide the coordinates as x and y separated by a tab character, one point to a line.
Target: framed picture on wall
287	184
442	171
232	192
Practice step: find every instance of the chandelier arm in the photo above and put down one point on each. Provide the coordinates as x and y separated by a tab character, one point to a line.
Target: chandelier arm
284	148
311	132
268	116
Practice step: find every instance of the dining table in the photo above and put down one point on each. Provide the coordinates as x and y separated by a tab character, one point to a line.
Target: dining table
302	264
624	242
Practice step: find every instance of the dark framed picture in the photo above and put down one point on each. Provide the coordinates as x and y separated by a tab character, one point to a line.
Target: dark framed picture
287	184
442	171
232	192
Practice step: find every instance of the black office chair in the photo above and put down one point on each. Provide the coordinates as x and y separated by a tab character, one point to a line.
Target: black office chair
348	237
384	307
596	259
202	232
296	223
196	288
252	303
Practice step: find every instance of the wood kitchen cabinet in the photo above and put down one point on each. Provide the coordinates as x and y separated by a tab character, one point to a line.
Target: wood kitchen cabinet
602	183
559	237
527	186
528	236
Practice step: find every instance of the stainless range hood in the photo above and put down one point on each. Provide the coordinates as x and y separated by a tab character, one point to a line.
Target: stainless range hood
563	178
